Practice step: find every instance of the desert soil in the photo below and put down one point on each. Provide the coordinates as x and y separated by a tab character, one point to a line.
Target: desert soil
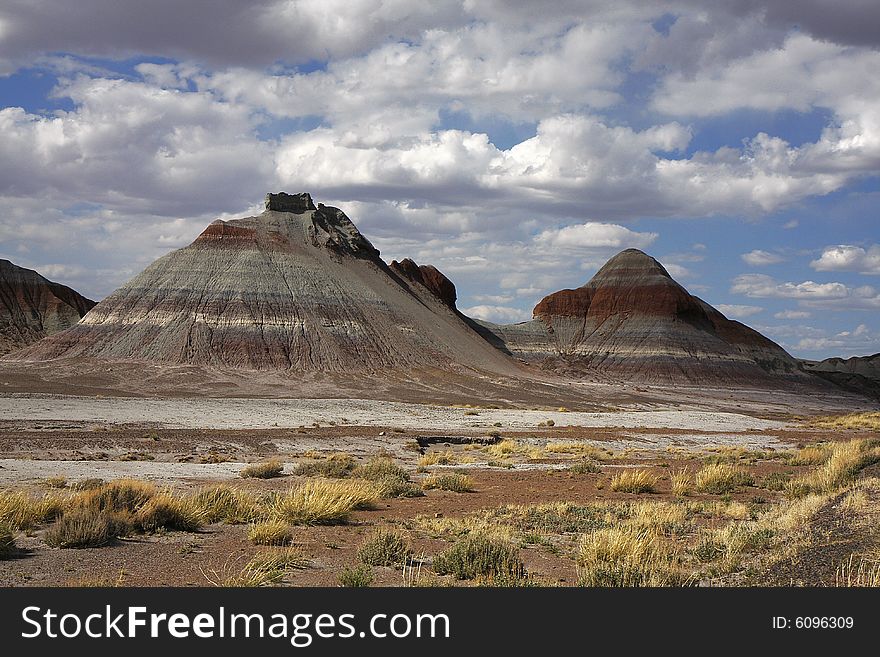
184	443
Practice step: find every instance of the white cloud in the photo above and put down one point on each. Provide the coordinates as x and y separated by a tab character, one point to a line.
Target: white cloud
497	314
759	258
593	234
792	314
738	311
836	296
134	148
762	286
849	258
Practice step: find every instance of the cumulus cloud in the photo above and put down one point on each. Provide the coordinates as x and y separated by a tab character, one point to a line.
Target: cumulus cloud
760	258
762	286
497	314
505	143
792	314
593	234
849	258
738	311
837	296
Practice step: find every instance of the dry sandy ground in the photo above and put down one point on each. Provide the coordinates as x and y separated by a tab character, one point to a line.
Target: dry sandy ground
292	413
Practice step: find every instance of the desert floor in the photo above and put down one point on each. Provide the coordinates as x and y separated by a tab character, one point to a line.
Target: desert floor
542	482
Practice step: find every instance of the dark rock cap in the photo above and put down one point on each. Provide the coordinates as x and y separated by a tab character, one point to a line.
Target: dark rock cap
283	202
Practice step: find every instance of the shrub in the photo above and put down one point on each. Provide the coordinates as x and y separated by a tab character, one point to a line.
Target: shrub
84	528
7	542
585	466
721	478
266	470
776	481
270	532
634	481
55	482
356	576
476	555
455	482
385	548
325	501
335	466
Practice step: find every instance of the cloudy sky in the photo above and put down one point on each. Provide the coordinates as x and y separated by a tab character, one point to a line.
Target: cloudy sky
513	146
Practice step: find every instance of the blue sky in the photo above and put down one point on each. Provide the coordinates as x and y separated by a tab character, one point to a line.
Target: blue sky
513	147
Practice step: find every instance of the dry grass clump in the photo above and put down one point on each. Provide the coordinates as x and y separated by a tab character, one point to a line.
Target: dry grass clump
870	420
552	518
740	538
223	503
627	557
393	479
864	574
634	481
454	481
721	478
437	458
664	518
841	468
325	501
270	532
355	576
164	511
475	555
585	466
265	569
335	466
20	510
55	482
266	470
121	495
85	528
7	542
681	483
385	548
506	447
811	455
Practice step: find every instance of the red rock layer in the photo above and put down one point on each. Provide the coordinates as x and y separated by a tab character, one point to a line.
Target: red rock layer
632	320
295	288
429	276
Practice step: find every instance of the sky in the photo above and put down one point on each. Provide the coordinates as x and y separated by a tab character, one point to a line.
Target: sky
515	145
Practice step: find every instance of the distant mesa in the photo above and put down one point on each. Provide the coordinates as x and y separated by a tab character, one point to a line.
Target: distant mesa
32	307
633	321
296	288
859	374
